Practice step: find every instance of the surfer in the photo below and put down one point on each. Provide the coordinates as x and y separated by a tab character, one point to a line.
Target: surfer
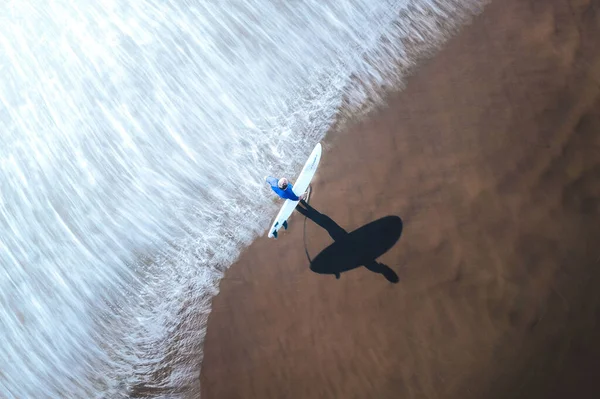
283	188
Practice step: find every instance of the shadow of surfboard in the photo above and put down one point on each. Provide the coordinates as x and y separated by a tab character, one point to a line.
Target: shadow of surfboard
360	247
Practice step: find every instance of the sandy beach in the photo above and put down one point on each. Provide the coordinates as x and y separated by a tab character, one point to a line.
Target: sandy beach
491	158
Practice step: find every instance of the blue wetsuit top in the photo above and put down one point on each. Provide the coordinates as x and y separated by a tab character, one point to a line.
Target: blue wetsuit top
285	194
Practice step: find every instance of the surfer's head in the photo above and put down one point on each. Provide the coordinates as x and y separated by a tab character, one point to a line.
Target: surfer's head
282	183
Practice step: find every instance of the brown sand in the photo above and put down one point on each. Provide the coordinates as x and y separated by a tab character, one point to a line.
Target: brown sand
491	156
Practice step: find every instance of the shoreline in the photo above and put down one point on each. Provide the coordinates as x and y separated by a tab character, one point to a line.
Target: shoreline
490	157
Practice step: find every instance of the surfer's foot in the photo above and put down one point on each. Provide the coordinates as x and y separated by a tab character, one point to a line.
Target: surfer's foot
285	225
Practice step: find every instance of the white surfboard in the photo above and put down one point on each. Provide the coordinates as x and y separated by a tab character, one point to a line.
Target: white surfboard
304	179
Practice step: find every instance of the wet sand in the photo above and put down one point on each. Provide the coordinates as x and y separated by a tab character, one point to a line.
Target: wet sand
491	157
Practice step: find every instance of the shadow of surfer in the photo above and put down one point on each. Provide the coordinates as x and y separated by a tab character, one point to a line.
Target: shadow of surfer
360	247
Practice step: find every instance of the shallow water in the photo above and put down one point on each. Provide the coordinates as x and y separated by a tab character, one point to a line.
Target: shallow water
133	141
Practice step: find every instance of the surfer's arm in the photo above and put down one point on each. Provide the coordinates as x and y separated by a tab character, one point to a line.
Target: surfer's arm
271	180
290	194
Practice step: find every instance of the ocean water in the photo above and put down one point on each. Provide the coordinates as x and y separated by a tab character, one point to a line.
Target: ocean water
134	136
